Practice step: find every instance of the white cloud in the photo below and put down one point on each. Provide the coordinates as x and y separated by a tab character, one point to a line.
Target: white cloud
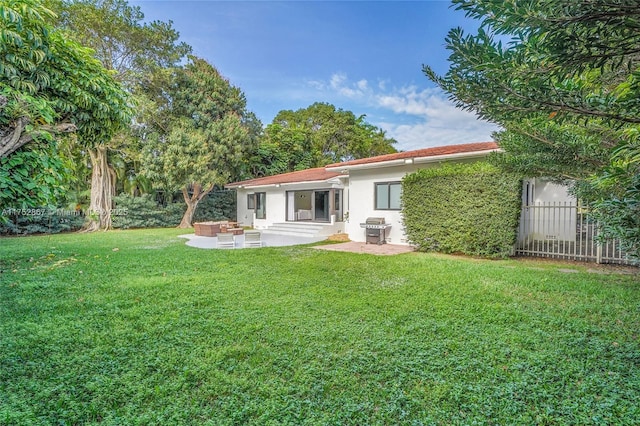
337	80
419	118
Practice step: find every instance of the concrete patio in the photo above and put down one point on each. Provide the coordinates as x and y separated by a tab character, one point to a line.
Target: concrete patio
275	240
268	240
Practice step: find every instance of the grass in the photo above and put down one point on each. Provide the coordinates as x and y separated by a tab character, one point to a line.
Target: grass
134	327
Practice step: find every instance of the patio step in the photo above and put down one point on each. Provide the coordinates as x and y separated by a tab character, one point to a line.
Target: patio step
297	229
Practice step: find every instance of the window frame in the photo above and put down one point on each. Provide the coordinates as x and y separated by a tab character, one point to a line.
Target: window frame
251	201
388	185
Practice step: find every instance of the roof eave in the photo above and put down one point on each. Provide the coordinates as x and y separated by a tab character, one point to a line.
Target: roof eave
329	181
412	160
379	164
438	158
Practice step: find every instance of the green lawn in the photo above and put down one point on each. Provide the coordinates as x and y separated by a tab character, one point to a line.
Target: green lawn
134	327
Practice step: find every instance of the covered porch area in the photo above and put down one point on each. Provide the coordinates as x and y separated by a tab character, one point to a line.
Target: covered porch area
315	205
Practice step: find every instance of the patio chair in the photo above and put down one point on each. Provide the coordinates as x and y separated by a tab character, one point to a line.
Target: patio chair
226	240
252	239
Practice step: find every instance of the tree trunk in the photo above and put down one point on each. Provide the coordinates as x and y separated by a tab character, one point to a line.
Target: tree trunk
192	203
102	189
188	215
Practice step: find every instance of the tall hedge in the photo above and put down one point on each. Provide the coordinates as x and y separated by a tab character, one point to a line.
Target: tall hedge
145	212
218	205
471	209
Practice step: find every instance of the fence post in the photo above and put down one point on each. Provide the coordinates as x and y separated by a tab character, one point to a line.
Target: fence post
598	243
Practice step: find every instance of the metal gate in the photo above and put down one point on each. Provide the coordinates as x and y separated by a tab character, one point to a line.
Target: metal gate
562	230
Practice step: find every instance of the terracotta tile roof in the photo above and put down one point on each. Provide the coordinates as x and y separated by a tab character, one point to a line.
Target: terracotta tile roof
309	175
322	174
425	152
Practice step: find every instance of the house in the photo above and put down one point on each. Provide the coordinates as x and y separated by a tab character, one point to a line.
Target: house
338	197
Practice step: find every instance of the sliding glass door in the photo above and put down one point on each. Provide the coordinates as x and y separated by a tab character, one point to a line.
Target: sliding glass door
314	205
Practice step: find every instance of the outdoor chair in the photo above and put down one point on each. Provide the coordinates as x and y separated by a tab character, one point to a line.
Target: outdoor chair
252	239
226	240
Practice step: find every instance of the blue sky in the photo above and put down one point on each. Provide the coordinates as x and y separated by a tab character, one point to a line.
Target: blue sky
362	56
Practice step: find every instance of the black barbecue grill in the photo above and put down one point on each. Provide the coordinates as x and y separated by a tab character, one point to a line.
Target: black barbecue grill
376	230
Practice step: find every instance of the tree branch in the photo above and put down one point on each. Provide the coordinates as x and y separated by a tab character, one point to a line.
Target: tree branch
17	138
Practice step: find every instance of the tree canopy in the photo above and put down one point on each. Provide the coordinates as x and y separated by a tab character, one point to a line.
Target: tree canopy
123	42
132	49
48	85
196	132
562	79
315	136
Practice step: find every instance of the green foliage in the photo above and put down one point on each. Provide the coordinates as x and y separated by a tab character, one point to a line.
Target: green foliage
461	208
33	177
132	50
564	87
314	137
134	327
48	84
543	148
217	205
144	212
121	38
198	135
619	213
198	132
39	220
47	78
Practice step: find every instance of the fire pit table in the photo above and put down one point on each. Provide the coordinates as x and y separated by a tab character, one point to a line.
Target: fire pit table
212	229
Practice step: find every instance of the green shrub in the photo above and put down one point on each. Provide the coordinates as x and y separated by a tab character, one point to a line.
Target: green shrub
462	208
41	220
218	205
145	212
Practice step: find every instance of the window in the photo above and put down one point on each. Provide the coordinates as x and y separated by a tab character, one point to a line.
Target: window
388	195
251	201
261	205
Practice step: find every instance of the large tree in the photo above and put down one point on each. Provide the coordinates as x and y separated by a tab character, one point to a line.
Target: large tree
133	49
48	85
315	136
562	79
197	132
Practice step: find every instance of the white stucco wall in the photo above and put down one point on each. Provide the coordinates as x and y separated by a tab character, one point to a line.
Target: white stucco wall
244	215
361	202
548	218
545	191
275	207
275	204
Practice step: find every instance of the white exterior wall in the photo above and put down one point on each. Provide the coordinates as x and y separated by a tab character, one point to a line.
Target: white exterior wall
547	223
545	192
244	215
275	207
361	201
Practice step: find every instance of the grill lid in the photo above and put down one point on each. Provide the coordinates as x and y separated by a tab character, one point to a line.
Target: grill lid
374	221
